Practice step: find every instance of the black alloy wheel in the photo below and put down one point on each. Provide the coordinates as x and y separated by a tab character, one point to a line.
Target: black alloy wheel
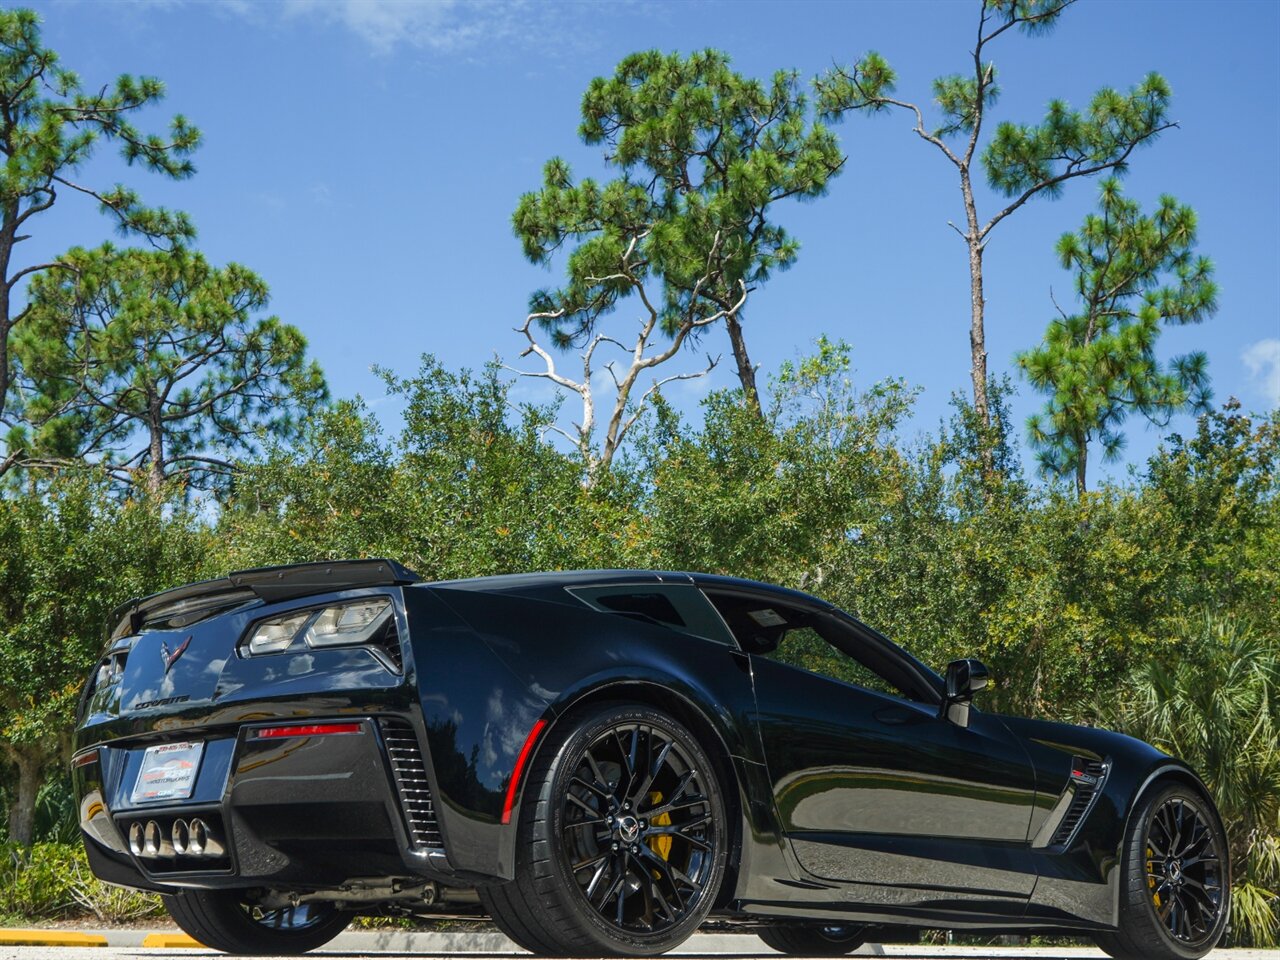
304	916
631	810
224	920
637	828
1184	870
813	939
1177	891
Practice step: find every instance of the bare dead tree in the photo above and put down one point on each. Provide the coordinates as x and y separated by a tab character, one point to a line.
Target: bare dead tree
640	353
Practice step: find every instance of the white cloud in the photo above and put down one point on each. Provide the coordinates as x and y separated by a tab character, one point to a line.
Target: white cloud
442	26
1262	360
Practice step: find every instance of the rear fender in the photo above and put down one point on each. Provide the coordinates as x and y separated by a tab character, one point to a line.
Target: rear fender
538	660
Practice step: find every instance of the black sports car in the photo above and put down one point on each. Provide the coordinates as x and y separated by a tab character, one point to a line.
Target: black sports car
602	761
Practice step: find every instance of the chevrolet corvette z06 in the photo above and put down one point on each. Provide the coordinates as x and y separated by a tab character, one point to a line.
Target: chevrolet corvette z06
601	762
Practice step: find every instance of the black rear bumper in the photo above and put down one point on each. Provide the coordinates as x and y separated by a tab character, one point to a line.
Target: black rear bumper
302	811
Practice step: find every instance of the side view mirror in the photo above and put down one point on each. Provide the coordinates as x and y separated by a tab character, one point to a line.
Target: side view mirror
964	679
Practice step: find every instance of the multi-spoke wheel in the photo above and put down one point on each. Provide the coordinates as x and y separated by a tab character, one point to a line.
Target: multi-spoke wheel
621	839
1177	890
224	920
813	939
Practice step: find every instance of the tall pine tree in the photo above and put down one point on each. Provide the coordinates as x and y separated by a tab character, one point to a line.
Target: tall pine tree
156	364
687	228
1132	274
50	127
1021	161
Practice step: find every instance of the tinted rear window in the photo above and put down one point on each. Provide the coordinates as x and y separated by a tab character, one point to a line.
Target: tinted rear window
679	606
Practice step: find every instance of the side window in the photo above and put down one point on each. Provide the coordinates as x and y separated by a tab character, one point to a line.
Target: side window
652	604
804	647
818	642
679	606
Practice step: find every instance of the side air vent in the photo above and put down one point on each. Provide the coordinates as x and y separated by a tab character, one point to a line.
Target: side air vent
388	641
1087	777
410	770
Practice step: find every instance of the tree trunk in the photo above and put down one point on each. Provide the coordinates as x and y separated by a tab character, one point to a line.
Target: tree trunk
22	815
977	334
977	303
746	372
155	471
5	327
6	301
1082	464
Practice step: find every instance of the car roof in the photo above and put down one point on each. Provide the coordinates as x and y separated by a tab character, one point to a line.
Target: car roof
517	582
714	581
502	583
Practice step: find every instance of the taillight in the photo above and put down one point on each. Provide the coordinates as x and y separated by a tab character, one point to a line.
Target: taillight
276	634
304	730
348	624
367	622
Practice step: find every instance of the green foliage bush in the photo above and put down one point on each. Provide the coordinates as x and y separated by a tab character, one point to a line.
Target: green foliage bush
70	551
51	881
1217	706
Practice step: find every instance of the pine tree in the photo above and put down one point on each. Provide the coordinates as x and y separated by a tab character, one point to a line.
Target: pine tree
155	364
49	129
1021	161
1132	274
685	231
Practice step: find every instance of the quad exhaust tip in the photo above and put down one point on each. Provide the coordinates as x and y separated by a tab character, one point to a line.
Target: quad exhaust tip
186	838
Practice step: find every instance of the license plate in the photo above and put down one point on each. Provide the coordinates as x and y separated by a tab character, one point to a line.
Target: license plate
168	772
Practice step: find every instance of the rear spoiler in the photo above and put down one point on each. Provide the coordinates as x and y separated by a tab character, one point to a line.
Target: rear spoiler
184	605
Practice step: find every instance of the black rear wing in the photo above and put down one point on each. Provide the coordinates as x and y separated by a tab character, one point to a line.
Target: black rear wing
195	601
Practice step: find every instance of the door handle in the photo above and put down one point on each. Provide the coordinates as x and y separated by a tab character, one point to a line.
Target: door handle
898	716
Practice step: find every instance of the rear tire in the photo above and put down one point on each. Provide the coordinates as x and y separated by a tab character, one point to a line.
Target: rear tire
1175	893
622	839
815	940
222	920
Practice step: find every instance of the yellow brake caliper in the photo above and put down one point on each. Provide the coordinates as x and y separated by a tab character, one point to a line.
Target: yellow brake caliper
661	844
1151	876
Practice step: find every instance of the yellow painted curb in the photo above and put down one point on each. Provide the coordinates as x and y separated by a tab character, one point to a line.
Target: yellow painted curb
50	938
170	940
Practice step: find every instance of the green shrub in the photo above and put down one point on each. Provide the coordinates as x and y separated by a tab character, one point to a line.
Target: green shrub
1217	706
52	881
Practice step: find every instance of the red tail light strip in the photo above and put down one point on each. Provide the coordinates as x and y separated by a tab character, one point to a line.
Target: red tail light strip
306	730
508	804
84	759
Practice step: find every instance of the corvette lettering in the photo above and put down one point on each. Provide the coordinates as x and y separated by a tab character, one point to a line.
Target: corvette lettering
166	701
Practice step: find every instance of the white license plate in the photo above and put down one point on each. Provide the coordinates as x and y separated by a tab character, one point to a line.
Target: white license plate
168	772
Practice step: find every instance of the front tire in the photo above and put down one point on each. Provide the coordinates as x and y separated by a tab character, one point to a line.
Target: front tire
1175	895
622	839
813	940
221	919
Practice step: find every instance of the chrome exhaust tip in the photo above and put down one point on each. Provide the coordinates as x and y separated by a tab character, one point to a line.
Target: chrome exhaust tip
152	842
202	841
179	835
199	837
135	838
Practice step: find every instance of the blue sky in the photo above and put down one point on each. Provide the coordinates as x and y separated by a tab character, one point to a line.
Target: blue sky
365	158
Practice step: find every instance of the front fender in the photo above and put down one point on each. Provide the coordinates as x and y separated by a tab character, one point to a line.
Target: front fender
1081	884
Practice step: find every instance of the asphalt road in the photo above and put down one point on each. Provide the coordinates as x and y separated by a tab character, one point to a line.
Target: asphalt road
903	953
